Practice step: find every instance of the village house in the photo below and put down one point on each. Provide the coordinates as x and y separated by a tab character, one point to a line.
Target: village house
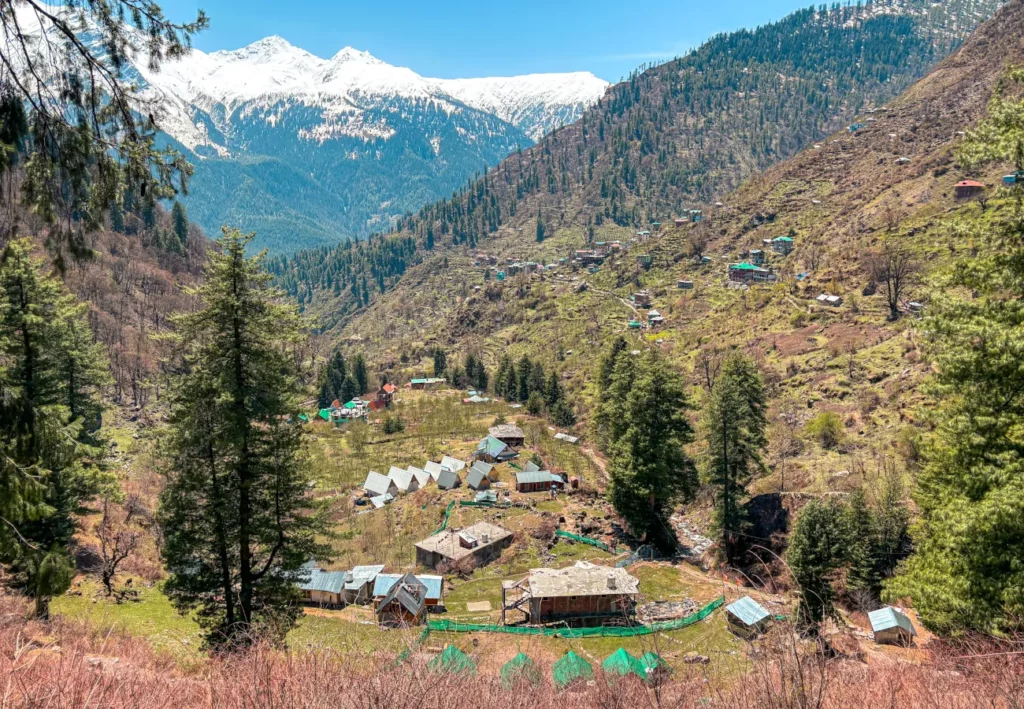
323	588
891	627
749	273
746	617
685	285
654	318
831	300
386	394
642	299
581	594
404	605
1010	180
509	434
483	542
492	450
782	244
967	189
359	584
644	260
757	257
681	222
538	481
566	438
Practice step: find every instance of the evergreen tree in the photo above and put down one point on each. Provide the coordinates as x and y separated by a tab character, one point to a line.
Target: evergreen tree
51	458
540	226
440	362
734	423
360	377
332	379
607	364
562	414
817	551
238	522
649	469
524	371
179	224
553	390
965	573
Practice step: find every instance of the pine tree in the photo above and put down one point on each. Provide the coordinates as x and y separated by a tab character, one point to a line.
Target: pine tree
332	379
440	362
540	226
734	422
649	469
965	573
51	455
817	551
179	224
238	522
360	376
553	390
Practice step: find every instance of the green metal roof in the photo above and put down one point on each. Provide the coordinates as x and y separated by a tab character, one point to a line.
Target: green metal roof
782	238
888	618
491	446
743	267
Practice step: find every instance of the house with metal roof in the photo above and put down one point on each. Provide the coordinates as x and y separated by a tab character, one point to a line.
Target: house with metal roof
405	603
383	584
782	244
509	434
448	480
748	272
530	467
492	450
746	617
453	464
359	583
580	593
403	479
891	627
482	541
377	485
485	468
322	587
831	300
566	438
538	481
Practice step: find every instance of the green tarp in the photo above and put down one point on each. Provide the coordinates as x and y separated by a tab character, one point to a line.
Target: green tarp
444	522
622	663
583	540
570	668
519	669
452	660
652	661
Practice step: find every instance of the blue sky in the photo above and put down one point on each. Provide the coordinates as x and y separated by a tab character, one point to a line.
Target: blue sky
458	38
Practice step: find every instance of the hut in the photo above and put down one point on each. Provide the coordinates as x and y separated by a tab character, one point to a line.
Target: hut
571	668
325	588
520	669
486	468
404	480
383	583
684	285
492	450
448	480
967	189
891	627
482	541
422	476
477	479
453	464
538	481
746	617
452	660
509	434
377	485
359	583
404	604
621	663
433	469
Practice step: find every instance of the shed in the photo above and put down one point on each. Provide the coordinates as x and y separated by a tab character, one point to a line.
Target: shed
746	617
966	189
891	627
486	468
538	481
831	300
1010	180
477	479
492	450
422	476
433	469
448	480
509	434
453	464
359	583
685	285
570	668
323	587
404	604
379	501
565	437
403	480
622	663
377	485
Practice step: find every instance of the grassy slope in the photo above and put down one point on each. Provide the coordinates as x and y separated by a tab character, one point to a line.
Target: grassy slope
863	196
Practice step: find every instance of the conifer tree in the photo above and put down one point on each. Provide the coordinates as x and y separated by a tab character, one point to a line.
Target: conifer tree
179	224
238	522
649	469
734	422
540	226
332	380
51	455
817	551
360	376
965	573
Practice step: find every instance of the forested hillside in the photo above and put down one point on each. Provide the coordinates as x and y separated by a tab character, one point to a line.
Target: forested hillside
673	136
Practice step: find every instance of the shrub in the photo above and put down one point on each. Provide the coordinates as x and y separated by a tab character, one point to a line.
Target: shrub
393	424
826	428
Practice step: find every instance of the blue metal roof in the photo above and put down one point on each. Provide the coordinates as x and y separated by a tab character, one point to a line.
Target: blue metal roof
748	610
888	618
325	581
383	583
362	575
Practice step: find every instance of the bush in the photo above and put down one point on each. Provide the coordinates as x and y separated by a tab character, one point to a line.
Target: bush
393	424
535	404
826	428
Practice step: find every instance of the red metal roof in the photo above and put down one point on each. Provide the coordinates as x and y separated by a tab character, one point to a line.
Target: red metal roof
969	183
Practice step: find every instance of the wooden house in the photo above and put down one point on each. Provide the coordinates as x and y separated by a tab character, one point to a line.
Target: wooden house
968	189
581	594
477	479
509	434
405	603
482	541
538	481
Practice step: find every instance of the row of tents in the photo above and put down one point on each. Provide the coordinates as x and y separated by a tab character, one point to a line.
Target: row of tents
568	669
382	489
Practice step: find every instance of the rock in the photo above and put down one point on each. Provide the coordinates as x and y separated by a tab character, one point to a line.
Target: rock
692	658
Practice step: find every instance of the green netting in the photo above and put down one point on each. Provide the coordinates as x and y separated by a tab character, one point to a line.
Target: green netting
407	652
652	661
452	660
622	663
584	540
473	503
570	668
519	669
598	632
444	522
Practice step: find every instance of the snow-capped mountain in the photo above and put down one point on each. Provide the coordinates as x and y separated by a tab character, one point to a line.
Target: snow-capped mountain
227	84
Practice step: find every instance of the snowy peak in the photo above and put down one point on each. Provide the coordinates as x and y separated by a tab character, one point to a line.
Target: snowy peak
348	55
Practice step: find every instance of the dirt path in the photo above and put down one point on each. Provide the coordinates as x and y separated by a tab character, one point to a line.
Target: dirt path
624	301
598	460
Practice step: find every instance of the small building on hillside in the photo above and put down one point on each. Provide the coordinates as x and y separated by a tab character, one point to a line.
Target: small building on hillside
968	189
891	627
509	434
747	618
404	480
386	394
359	583
404	605
782	244
757	257
485	468
580	594
566	438
654	318
538	481
448	480
684	285
323	588
681	222
1010	180
377	485
453	464
831	300
422	476
644	260
383	584
642	299
482	541
492	450
433	469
